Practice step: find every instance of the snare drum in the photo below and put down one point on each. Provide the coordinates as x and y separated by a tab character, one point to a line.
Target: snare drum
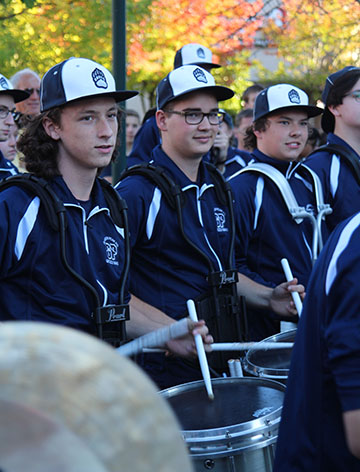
237	431
271	363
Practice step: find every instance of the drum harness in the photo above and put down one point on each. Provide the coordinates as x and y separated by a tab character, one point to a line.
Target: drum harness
349	157
297	212
109	319
222	309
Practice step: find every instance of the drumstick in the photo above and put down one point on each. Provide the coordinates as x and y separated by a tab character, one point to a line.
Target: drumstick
240	346
156	338
251	345
288	274
201	351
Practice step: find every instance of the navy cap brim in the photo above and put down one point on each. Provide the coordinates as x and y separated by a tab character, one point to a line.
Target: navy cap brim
311	111
119	96
328	121
210	65
220	92
18	95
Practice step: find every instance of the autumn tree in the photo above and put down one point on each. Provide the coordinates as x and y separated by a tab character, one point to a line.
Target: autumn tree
226	27
314	38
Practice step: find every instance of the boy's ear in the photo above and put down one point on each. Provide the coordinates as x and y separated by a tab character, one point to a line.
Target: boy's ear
51	128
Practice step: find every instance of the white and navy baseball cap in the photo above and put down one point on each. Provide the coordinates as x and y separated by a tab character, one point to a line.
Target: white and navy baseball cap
77	78
328	119
194	54
186	79
282	96
6	88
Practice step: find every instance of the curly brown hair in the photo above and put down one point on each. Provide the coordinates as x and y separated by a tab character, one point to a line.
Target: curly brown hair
250	140
40	150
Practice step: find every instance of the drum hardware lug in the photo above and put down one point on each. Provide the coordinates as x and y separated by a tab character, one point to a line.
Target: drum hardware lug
209	464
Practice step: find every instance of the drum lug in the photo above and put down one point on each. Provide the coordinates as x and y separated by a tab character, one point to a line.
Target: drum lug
209	464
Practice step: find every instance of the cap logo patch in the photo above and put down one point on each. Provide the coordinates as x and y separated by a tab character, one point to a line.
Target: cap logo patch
200	76
99	78
3	84
200	53
294	97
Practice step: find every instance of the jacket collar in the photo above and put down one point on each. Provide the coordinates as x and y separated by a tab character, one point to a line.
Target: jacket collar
63	192
283	166
160	158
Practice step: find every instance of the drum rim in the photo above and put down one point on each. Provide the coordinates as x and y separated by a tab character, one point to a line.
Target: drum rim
268	372
215	435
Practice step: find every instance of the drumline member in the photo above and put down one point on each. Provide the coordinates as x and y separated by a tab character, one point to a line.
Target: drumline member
227	158
338	162
268	228
8	97
63	250
148	136
320	421
181	225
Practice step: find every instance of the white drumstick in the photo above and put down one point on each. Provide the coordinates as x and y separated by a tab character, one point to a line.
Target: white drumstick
289	277
201	351
240	346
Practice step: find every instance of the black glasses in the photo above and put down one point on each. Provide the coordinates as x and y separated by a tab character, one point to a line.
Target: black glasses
30	91
196	117
4	111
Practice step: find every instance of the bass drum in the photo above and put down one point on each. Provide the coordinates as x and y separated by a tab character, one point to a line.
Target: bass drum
271	362
237	431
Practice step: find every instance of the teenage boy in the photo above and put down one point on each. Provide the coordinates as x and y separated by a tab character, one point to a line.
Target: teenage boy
182	250
8	97
320	420
148	135
266	230
341	120
71	273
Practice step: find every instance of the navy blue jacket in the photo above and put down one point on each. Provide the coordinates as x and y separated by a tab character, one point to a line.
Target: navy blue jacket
324	378
340	187
34	283
236	160
146	139
267	233
7	168
165	270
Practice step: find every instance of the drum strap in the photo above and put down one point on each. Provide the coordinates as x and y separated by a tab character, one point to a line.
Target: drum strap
111	318
297	212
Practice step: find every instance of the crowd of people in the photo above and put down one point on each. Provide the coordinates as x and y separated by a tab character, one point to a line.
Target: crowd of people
205	211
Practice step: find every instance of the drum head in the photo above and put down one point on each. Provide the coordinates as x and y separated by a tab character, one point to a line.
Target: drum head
237	401
271	363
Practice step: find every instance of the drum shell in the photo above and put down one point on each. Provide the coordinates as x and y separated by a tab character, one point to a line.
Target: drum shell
267	363
248	445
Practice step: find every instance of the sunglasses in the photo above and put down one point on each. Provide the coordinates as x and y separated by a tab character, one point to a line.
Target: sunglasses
30	91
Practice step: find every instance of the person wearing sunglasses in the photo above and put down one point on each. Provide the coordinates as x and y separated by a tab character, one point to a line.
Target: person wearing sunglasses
29	81
8	98
341	120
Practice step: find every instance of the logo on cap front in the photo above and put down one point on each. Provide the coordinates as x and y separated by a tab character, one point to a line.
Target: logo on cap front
200	76
294	96
99	78
200	53
4	84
